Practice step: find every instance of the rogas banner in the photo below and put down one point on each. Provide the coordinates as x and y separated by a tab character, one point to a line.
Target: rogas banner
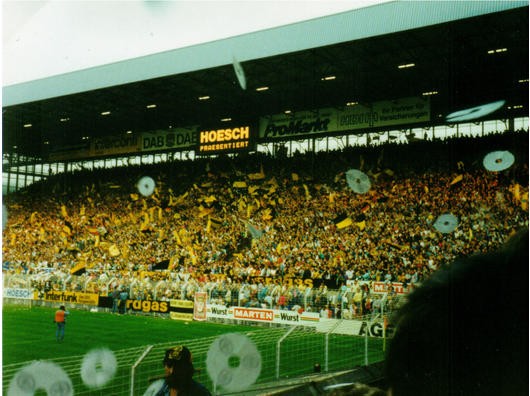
147	306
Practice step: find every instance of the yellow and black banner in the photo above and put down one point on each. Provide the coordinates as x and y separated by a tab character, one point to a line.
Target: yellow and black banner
181	309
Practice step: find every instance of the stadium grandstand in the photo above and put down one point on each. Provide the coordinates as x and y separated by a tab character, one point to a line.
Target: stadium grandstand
298	182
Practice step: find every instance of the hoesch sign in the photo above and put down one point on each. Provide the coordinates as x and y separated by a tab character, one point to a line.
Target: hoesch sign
227	139
18	293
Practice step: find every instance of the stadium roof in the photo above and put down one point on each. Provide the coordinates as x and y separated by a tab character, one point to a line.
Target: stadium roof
463	54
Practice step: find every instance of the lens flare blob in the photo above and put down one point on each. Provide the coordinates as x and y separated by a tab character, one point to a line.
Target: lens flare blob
41	376
98	368
233	362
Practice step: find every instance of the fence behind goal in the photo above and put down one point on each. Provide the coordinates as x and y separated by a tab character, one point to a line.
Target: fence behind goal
286	352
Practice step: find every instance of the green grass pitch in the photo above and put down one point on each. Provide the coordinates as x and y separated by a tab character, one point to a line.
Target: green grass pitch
29	334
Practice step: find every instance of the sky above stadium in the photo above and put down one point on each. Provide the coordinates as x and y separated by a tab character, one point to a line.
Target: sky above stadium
47	38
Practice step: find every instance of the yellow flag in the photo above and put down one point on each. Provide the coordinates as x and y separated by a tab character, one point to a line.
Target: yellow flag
266	214
241	204
517	192
295	176
210	199
145	224
257	176
307	195
524	201
177	237
457	179
239	184
161	234
64	213
42	234
113	250
205	211
249	210
344	223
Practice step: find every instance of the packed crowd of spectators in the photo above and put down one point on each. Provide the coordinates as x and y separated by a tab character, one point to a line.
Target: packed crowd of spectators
258	230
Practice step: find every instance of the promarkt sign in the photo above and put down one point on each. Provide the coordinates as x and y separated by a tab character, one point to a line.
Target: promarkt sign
361	116
302	123
224	140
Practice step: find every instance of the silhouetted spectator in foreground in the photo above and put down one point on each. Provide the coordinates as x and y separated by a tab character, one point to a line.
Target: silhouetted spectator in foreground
465	330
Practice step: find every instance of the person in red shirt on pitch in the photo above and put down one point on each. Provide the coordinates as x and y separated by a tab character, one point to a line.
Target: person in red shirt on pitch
60	320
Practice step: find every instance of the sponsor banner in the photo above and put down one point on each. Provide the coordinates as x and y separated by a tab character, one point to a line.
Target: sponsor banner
362	116
383	287
253	314
224	140
282	126
289	281
25	294
402	111
72	297
262	315
112	145
355	117
148	306
374	328
199	308
178	138
181	304
310	317
181	309
181	316
380	287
